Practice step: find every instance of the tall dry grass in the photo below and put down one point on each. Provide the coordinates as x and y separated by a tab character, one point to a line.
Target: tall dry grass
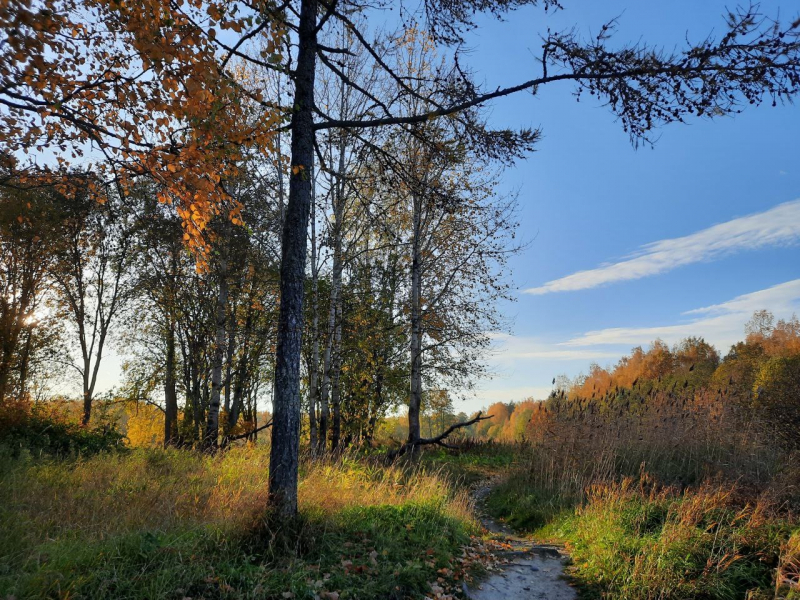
166	489
154	523
640	541
681	438
661	495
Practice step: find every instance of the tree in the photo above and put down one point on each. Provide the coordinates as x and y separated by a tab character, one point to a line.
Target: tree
141	88
375	341
177	339
28	241
179	78
759	326
776	396
160	266
92	279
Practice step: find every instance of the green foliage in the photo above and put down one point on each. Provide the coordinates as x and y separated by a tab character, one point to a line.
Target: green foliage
372	552
776	394
472	462
37	430
525	508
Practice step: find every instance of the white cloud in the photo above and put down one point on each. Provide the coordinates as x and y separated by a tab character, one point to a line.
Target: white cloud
508	348
486	397
721	325
778	226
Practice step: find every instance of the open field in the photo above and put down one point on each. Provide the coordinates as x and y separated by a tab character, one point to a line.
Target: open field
172	524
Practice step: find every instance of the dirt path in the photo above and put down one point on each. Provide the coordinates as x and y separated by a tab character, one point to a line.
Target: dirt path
533	571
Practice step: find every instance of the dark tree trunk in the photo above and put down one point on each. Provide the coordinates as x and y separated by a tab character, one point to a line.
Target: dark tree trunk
286	396
313	367
238	394
170	392
87	408
5	372
238	380
415	397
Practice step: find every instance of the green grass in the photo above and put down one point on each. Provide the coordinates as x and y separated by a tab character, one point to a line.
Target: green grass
642	542
476	462
379	552
39	429
171	524
526	508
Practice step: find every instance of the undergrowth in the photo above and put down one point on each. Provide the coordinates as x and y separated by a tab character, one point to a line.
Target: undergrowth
39	429
175	524
472	461
633	538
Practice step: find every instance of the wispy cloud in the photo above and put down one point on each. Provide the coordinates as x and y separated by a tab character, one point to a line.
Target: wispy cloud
485	397
523	366
507	348
774	227
720	324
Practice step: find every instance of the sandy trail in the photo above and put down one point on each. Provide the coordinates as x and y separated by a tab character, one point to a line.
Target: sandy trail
533	571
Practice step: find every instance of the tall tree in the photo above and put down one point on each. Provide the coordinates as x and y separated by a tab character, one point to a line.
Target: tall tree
29	227
643	87
161	265
92	280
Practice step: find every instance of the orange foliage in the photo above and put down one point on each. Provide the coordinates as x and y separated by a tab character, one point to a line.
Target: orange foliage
679	400
145	426
142	85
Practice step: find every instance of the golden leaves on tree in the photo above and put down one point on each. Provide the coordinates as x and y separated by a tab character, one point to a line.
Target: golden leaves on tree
136	89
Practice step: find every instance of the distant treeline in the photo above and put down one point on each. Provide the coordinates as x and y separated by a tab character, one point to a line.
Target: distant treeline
684	411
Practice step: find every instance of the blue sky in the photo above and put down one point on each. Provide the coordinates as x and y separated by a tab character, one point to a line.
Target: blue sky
589	199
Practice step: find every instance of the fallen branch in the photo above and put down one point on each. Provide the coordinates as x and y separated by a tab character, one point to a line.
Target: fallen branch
439	440
241	436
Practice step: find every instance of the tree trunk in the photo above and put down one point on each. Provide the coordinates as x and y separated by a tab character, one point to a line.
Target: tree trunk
87	396
286	396
237	404
230	350
336	370
211	437
313	368
324	394
333	358
415	398
196	399
170	392
335	363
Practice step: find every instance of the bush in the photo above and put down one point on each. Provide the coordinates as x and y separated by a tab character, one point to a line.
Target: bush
39	429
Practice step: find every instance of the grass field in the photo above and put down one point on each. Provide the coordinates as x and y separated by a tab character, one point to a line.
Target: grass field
175	524
152	523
